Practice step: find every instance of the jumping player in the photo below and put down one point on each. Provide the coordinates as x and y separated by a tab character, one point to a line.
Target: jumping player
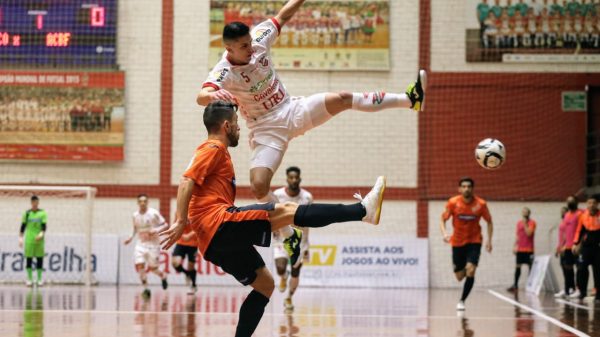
227	234
291	193
33	228
245	76
466	209
146	223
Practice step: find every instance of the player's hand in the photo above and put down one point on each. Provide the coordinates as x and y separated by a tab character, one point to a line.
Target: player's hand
488	247
127	241
39	236
447	237
306	256
222	95
173	233
576	249
20	242
514	249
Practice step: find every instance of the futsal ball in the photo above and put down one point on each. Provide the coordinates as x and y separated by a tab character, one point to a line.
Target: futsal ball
490	153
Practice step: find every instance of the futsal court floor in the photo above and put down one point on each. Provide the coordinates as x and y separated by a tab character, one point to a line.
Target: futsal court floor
65	311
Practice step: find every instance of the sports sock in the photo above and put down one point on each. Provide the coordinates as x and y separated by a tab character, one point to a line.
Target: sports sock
192	275
467	287
569	280
320	215
180	269
379	100
251	312
29	265
517	276
29	274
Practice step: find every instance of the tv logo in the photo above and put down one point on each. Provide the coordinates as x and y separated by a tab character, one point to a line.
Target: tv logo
322	255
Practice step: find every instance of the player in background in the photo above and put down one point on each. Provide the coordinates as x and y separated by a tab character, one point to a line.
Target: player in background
291	193
245	76
587	245
466	209
147	221
566	235
187	245
524	245
32	235
227	234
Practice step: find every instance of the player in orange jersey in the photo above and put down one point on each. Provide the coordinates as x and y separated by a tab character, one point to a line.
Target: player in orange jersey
466	209
587	246
187	245
227	234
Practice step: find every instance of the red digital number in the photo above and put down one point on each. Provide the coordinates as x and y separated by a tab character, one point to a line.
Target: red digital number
97	16
16	40
4	39
39	22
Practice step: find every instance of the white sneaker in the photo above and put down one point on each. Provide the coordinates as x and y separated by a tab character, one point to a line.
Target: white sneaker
287	303
575	294
28	283
373	201
40	283
559	294
460	306
192	290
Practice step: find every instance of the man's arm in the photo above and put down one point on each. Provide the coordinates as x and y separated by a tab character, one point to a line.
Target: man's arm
129	239
287	11
529	229
209	94
184	195
490	232
22	231
445	235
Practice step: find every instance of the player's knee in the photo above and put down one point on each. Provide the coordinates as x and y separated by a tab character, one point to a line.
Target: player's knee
260	188
471	270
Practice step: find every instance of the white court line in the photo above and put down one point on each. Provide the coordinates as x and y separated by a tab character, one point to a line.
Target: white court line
540	314
572	304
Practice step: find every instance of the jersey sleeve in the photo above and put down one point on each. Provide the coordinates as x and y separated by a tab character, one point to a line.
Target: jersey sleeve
44	218
216	77
579	229
204	162
160	218
310	198
266	32
485	213
448	211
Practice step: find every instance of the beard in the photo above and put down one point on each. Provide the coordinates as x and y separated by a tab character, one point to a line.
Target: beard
233	139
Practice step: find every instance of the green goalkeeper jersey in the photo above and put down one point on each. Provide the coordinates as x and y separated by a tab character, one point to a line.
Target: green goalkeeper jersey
33	221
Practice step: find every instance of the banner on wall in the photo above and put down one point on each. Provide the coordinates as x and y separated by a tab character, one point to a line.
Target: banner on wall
358	261
322	35
64	259
75	116
532	32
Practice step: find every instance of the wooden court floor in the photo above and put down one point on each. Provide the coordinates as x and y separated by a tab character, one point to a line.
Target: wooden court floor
65	311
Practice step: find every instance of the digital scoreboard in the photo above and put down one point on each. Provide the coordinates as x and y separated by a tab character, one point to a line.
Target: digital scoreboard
58	33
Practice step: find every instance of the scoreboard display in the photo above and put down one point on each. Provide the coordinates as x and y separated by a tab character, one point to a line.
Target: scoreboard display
58	33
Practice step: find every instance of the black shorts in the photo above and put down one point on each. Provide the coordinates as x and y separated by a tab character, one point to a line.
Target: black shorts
232	247
567	258
190	251
468	253
524	258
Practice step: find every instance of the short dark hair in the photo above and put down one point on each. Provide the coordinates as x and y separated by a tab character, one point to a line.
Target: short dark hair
292	169
466	179
35	197
595	197
217	112
142	195
235	30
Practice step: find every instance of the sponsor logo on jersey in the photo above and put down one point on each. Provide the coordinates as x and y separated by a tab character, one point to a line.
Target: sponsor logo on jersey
467	217
261	34
260	84
220	75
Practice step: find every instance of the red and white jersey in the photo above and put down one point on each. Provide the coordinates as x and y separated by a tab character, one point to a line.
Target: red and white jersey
256	85
303	198
145	222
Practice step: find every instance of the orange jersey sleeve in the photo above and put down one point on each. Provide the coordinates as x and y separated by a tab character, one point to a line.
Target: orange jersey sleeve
485	213
578	230
203	163
449	209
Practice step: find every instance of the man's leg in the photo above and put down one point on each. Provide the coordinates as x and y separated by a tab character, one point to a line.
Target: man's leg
596	270
29	268
141	270
470	280
191	272
253	307
39	268
177	260
294	281
281	264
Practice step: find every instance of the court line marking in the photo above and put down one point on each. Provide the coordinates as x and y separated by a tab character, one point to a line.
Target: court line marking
576	305
129	312
540	314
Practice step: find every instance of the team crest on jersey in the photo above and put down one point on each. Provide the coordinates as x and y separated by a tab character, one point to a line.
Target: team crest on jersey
220	75
476	208
260	34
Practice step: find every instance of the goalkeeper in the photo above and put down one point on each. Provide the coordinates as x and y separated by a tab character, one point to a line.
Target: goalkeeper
33	228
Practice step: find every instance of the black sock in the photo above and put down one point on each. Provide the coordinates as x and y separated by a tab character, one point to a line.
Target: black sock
467	287
29	262
321	215
39	265
569	280
583	274
180	269
251	312
192	275
517	276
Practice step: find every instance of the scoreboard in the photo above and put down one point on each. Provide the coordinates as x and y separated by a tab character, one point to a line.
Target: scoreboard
58	33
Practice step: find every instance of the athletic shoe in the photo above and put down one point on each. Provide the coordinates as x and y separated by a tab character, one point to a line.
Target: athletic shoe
575	294
283	283
292	246
287	303
372	202
29	283
188	281
165	285
512	289
192	290
416	91
560	294
146	293
460	306
40	283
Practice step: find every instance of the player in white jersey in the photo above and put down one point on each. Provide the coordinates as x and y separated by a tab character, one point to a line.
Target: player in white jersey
291	193
147	222
245	76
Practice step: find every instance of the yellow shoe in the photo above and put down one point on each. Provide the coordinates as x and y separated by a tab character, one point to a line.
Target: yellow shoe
283	283
287	303
416	91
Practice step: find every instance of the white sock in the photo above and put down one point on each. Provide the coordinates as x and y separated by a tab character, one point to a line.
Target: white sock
379	100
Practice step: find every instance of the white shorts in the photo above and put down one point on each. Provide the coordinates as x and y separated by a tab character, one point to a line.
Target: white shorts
147	254
270	134
279	252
